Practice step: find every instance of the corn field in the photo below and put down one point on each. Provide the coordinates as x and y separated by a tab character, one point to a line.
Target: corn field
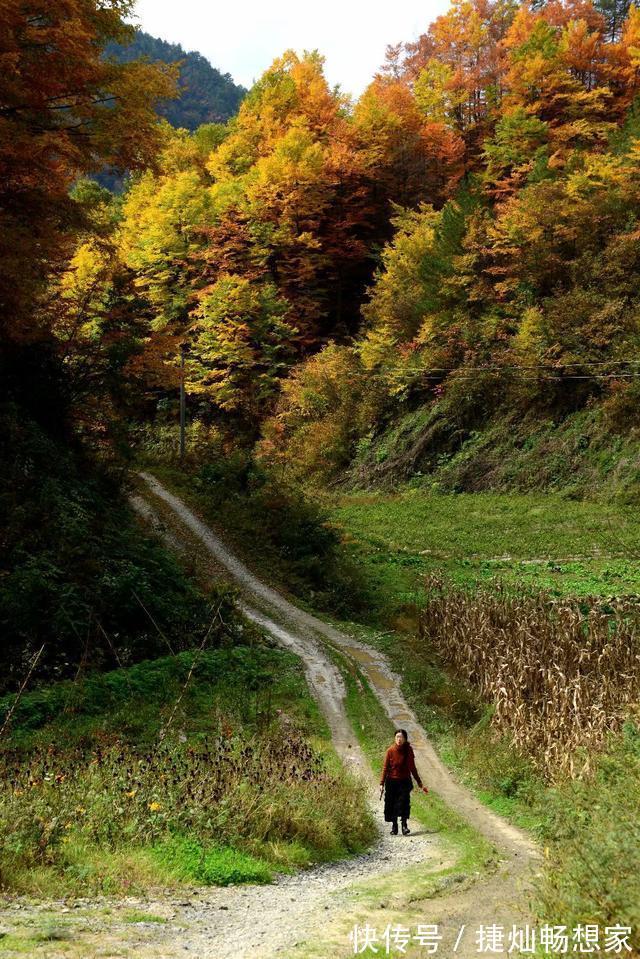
561	674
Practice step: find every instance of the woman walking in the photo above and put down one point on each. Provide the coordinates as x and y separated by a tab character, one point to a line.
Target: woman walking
399	767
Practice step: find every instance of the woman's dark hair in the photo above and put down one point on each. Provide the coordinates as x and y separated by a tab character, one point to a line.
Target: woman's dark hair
404	733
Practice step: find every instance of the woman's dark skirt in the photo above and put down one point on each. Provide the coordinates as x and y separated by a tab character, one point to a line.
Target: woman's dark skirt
397	795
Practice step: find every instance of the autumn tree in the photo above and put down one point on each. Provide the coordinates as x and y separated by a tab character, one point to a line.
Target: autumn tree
281	202
555	74
318	418
64	111
615	13
411	157
291	173
240	347
456	68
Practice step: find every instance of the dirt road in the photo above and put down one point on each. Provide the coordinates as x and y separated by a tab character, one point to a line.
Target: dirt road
400	883
502	894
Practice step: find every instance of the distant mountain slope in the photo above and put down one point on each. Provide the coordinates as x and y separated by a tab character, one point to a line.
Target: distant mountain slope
207	95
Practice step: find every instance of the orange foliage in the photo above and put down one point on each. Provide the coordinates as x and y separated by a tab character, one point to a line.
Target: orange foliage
63	111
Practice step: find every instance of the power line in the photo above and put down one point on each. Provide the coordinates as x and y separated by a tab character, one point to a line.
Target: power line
540	366
472	374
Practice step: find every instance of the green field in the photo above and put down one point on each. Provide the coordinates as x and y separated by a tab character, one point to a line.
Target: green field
544	541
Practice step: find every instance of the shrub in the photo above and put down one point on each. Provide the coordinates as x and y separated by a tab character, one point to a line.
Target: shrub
77	573
248	789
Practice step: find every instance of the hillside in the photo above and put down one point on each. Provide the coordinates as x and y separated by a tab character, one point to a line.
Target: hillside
588	454
206	94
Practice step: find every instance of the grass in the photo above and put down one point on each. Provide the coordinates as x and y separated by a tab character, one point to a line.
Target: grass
527	540
218	866
45	936
594	841
131	705
531	540
38	944
590	454
136	916
588	828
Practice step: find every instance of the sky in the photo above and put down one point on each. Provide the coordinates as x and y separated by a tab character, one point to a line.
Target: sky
243	37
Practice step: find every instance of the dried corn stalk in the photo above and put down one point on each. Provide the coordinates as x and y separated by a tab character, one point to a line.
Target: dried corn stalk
561	674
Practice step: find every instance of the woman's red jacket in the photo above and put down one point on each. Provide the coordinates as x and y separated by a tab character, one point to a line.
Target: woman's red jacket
399	763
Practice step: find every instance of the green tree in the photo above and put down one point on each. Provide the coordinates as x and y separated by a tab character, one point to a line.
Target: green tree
240	347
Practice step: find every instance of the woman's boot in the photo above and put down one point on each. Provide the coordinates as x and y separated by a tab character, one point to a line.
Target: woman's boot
405	828
394	828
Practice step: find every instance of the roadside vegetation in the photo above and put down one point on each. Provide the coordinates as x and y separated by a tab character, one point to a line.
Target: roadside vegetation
206	767
82	584
273	521
591	454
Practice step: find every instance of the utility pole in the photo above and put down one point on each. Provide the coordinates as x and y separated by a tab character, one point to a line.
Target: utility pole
183	402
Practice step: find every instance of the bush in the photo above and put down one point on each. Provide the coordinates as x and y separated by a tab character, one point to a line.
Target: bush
320	415
131	777
178	799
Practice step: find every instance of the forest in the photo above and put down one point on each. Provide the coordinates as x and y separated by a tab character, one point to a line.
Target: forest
459	240
403	334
